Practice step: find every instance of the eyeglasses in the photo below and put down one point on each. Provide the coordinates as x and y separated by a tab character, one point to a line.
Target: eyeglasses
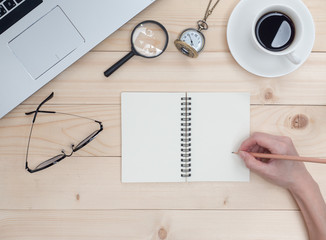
50	162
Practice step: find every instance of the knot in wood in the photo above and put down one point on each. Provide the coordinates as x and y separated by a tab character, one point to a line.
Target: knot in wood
226	201
299	121
162	234
268	94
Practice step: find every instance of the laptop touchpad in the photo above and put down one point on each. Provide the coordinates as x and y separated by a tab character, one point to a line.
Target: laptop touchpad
46	42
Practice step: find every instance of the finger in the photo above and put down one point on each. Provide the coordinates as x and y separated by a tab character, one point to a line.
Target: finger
262	139
254	148
257	149
263	150
252	163
248	144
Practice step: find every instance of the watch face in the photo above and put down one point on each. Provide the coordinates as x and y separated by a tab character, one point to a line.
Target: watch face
193	38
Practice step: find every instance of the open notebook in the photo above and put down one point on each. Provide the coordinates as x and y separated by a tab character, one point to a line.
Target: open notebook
178	137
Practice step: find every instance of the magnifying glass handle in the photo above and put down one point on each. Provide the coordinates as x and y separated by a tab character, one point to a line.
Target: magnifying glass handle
118	64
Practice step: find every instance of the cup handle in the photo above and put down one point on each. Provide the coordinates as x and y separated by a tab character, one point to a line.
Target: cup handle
294	58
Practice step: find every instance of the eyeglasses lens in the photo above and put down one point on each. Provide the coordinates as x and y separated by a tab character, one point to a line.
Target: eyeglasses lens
86	140
51	161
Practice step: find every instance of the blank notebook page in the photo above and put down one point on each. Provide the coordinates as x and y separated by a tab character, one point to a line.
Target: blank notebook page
219	123
151	137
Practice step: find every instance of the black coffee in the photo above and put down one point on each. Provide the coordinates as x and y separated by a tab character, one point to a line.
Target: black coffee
275	31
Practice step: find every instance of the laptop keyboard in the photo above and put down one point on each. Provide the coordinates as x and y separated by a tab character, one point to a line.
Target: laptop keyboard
11	11
8	5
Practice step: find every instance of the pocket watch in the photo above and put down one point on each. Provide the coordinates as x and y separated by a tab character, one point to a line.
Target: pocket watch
192	41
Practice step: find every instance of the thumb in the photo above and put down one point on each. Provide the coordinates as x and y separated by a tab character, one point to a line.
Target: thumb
252	163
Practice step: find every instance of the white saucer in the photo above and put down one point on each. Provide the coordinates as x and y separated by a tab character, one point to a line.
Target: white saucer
248	56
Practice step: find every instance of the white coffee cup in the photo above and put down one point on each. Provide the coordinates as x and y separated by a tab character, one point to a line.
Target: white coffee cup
290	51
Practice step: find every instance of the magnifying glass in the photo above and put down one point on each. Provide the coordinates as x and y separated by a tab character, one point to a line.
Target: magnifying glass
149	39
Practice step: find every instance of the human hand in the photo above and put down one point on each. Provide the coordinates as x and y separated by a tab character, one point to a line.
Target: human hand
285	173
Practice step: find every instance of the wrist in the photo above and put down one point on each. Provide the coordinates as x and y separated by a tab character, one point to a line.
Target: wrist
302	185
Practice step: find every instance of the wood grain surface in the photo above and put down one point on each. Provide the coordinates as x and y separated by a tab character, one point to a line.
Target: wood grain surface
151	224
82	197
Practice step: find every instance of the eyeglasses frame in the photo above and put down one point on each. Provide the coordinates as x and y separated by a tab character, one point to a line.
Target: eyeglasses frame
64	155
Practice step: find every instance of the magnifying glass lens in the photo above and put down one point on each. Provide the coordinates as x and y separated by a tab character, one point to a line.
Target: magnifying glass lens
149	39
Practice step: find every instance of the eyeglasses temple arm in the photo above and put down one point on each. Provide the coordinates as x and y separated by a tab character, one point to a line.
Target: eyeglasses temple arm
39	106
29	113
35	113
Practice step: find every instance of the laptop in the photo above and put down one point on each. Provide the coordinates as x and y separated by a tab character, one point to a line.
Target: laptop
41	38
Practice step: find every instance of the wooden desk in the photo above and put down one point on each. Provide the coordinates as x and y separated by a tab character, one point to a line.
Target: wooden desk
83	198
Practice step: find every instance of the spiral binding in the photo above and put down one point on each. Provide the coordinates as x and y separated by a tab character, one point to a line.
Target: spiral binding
186	136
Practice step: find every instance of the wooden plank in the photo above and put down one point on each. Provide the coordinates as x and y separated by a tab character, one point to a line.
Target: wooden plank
304	124
156	225
84	82
179	15
95	183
